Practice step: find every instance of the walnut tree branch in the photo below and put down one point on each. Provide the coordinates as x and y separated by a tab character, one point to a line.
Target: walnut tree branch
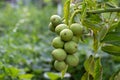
95	12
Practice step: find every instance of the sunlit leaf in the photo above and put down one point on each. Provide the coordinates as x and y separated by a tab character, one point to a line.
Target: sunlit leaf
95	41
98	70
64	71
52	75
13	71
85	76
89	65
2	76
83	11
26	76
91	4
115	76
67	11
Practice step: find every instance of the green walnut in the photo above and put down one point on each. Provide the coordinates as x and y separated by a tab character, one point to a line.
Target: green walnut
59	54
55	19
72	60
76	29
51	27
59	65
60	27
57	42
66	34
75	39
71	47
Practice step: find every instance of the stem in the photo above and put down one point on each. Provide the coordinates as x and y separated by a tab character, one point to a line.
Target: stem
104	10
73	15
95	12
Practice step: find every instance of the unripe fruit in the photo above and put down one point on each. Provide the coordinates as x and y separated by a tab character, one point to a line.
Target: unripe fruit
51	27
57	42
59	54
75	39
72	60
76	29
60	27
66	34
59	65
70	47
55	19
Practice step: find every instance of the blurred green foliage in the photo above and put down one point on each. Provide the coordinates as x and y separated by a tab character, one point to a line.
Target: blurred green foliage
25	40
25	46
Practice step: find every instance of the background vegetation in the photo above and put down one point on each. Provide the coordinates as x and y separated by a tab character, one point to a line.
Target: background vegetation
25	45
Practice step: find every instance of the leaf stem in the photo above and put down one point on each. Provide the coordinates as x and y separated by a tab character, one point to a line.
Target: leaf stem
104	10
95	12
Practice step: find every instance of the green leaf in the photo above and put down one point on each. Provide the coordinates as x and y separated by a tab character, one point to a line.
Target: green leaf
52	76
112	38
87	23
83	11
96	42
26	76
64	71
111	49
102	1
98	70
91	4
89	65
2	76
118	27
1	65
12	71
93	22
115	76
115	26
103	32
67	11
85	76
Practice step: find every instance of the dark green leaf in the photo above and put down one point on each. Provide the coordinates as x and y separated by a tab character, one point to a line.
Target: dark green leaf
113	27
90	25
94	18
111	49
118	27
102	1
112	38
